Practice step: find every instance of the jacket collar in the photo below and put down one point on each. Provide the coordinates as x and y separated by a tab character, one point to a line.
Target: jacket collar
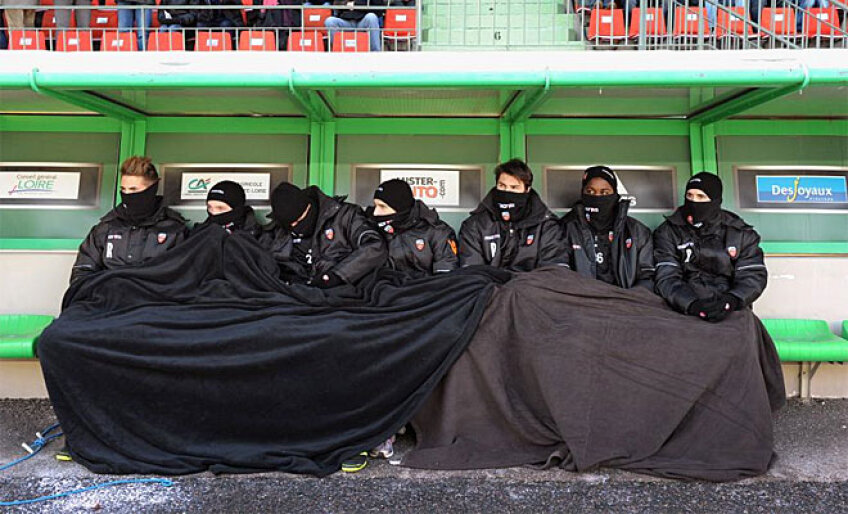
539	212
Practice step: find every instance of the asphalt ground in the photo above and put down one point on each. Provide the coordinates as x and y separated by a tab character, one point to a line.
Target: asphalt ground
809	475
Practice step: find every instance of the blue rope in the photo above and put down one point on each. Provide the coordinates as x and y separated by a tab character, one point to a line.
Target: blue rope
41	440
163	481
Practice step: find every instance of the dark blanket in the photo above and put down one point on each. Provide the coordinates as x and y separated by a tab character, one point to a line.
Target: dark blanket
569	371
202	360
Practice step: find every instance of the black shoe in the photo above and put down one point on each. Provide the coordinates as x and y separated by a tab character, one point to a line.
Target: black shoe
64	454
355	463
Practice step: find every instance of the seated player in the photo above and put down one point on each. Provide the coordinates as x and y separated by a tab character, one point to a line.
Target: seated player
225	206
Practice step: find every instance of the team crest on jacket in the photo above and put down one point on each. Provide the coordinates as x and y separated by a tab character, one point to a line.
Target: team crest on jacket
628	243
452	244
419	245
530	238
161	237
731	250
330	234
505	215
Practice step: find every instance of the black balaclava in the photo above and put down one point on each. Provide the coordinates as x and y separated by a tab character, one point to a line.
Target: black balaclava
511	206
306	227
600	211
232	194
699	214
396	194
287	204
140	206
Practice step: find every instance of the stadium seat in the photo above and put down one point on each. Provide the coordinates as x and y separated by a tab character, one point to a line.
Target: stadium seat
209	41
607	25
310	41
166	42
103	20
690	22
654	23
27	40
314	19
729	24
257	41
400	25
73	41
114	41
19	334
779	20
823	23
806	340
349	41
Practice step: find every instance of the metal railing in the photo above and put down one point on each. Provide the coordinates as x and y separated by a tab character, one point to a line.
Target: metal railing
246	28
435	24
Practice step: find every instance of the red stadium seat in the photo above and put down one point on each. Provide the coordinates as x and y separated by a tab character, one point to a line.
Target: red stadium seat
27	40
690	22
257	41
654	23
114	41
166	41
400	23
314	19
818	23
103	20
729	24
73	41
208	41
350	41
607	25
311	41
779	20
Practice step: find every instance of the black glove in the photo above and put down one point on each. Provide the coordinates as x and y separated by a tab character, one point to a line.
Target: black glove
700	307
328	280
732	303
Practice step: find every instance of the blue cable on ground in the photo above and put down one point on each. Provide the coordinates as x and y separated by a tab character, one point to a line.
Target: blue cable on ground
41	440
163	481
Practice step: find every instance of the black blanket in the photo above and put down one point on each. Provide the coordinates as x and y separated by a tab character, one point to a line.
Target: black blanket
202	360
569	371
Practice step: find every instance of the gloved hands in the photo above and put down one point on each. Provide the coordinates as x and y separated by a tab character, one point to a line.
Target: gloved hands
328	280
714	309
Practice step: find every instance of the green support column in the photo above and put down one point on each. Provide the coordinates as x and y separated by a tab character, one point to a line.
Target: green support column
513	142
696	148
708	143
322	155
505	142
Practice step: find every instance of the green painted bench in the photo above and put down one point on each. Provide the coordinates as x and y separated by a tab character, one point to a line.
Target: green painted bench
19	334
810	342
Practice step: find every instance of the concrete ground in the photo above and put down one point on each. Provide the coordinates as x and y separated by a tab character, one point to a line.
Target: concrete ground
810	475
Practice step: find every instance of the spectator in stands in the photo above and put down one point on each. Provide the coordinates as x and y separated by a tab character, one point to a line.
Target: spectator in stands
20	18
141	19
226	206
602	241
319	240
358	19
176	19
82	17
708	261
4	42
419	242
512	228
220	18
280	19
140	228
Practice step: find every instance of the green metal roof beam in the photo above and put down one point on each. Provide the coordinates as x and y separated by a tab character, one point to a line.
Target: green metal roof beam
309	101
520	111
747	101
486	80
86	101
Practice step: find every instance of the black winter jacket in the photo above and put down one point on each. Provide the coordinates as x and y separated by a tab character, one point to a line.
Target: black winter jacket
213	17
532	242
423	245
117	241
183	17
724	257
344	242
632	250
356	15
